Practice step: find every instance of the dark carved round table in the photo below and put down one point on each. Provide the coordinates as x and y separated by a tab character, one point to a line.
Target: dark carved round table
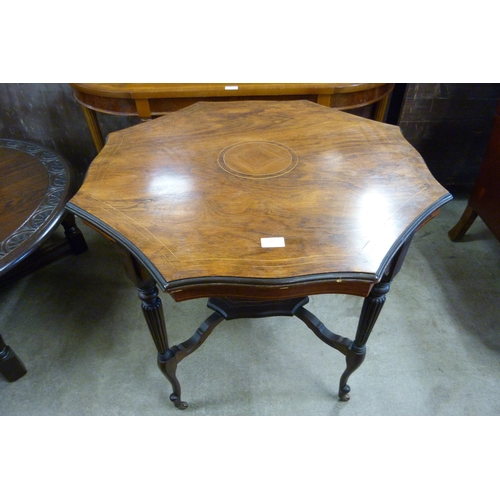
35	185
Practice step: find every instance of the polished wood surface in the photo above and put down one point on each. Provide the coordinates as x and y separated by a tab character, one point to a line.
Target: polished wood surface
485	198
193	194
23	185
147	100
258	204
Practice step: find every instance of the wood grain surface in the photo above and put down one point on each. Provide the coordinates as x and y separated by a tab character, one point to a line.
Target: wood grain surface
356	190
35	185
23	185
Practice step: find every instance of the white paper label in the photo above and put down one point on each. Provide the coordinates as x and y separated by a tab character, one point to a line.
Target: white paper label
272	242
231	87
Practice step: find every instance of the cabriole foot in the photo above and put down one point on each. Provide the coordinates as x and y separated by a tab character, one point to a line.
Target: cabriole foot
182	405
344	393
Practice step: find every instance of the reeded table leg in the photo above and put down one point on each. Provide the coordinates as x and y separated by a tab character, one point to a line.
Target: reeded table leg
353	350
372	305
227	309
168	358
153	313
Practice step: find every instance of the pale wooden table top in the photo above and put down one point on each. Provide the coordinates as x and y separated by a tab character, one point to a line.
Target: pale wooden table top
173	90
193	193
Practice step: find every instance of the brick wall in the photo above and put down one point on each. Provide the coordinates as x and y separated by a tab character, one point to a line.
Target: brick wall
449	124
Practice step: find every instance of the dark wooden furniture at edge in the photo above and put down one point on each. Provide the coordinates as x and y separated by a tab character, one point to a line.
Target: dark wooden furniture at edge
485	198
35	185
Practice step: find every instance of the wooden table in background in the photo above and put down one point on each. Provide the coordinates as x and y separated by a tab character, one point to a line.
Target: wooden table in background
257	206
35	185
147	100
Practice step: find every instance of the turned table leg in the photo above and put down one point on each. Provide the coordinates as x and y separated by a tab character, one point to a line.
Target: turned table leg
226	309
95	130
11	367
372	305
167	362
73	234
168	358
153	313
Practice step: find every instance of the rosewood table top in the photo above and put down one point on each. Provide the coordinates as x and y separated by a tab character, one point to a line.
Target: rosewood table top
257	205
276	194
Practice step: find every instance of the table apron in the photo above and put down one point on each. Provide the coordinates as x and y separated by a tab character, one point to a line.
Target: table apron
360	288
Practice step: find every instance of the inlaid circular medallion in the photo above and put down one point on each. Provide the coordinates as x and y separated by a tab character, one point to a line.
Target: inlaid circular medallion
257	159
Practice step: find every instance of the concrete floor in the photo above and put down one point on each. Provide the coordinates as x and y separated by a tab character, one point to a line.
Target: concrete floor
435	349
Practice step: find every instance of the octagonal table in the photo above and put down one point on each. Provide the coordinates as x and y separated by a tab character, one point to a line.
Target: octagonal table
257	205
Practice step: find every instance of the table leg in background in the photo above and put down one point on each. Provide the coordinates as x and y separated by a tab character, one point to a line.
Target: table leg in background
11	367
457	232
